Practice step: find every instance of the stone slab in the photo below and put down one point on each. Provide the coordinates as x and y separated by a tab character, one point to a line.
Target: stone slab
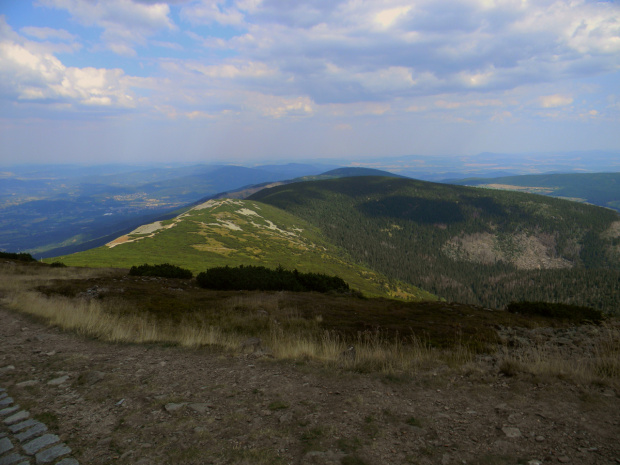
9	410
12	459
39	443
16	417
23	425
37	429
51	454
5	445
6	401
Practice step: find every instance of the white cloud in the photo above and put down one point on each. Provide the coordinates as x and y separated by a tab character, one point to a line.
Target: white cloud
29	74
44	33
344	51
280	107
556	100
387	18
125	23
215	11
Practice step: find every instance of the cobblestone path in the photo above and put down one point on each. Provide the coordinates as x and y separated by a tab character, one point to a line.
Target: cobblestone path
25	441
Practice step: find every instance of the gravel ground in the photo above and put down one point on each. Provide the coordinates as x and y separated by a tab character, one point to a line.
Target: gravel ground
148	404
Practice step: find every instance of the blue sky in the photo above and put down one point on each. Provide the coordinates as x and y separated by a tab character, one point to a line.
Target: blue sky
210	80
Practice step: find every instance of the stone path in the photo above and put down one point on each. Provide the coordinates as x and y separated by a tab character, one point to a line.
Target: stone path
25	441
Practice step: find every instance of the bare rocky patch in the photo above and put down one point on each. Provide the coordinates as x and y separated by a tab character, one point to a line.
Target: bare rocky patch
525	251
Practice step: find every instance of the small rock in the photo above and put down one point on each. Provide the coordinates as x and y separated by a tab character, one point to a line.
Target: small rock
104	441
7	368
92	377
58	381
286	418
30	382
511	432
199	407
534	462
316	457
172	407
540	438
563	459
609	393
68	461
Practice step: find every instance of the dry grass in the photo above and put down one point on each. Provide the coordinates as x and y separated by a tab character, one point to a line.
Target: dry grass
287	329
598	366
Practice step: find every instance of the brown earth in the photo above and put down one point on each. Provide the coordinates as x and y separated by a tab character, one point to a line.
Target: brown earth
152	404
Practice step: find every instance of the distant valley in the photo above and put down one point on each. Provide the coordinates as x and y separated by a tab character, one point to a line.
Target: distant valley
602	189
51	210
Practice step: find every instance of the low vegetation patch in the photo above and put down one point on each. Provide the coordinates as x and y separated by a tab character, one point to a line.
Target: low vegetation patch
164	270
260	278
573	313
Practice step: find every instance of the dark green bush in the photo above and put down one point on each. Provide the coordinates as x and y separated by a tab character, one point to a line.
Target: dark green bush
58	265
164	270
556	310
253	278
24	257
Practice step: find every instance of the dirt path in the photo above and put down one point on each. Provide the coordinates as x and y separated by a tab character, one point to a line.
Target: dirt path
135	404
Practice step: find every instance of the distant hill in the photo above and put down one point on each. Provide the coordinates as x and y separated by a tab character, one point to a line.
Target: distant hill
351	172
602	189
480	246
45	212
237	232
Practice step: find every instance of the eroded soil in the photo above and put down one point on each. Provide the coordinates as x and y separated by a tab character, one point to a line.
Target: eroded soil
146	404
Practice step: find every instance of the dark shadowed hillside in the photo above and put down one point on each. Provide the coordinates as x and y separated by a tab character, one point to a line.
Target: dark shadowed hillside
480	246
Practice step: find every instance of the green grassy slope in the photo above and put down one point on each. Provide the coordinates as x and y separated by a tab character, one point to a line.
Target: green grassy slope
235	232
601	189
480	246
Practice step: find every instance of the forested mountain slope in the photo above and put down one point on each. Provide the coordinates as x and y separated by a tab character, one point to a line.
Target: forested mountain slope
480	246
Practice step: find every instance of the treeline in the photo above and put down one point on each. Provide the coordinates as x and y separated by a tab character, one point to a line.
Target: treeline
575	313
23	257
164	270
261	278
399	227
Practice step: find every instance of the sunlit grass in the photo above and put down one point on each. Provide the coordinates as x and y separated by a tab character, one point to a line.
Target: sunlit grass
288	331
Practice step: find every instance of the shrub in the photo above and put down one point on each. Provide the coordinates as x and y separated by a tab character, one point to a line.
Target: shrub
556	310
164	270
58	265
23	257
253	278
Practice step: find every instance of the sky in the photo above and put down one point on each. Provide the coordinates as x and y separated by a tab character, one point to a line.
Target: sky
241	80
